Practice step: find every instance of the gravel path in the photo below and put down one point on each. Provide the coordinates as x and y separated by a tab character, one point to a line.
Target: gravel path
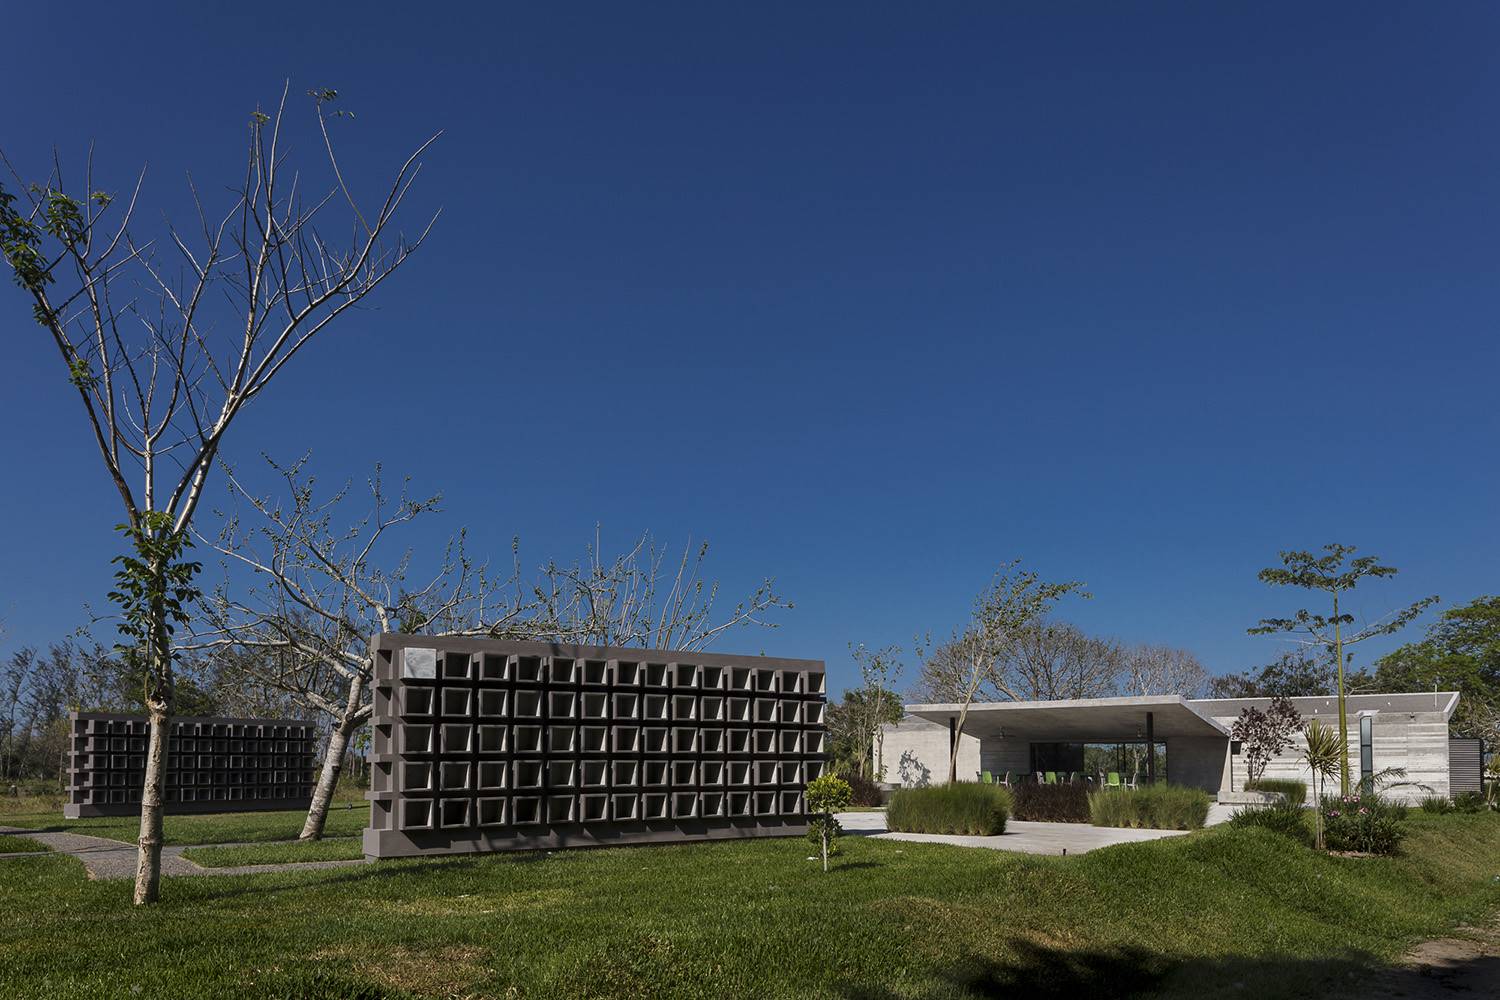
105	859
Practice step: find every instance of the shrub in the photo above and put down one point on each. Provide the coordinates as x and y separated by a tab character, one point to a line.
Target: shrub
1437	804
965	807
1050	803
826	796
1295	791
1470	802
1282	817
1155	807
1353	824
865	791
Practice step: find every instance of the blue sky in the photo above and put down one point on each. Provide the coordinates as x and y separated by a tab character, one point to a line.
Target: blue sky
873	297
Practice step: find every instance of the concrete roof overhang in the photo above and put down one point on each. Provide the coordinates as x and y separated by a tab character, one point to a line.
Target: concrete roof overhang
1104	720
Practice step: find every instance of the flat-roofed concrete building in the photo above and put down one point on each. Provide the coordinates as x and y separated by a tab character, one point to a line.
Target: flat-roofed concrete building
1191	738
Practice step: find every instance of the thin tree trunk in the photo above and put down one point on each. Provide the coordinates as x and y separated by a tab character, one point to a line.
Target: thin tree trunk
1338	654
333	763
148	854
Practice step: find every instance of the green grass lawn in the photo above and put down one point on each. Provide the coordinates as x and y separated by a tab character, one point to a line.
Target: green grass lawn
333	849
1223	912
13	844
346	818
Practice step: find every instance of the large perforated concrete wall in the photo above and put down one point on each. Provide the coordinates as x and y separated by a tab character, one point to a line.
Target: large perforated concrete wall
484	745
213	765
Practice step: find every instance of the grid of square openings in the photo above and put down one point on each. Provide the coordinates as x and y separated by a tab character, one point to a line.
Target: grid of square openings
208	761
527	742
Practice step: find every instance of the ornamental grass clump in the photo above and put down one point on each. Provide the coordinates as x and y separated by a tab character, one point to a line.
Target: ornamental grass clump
1152	807
1295	792
962	808
1280	817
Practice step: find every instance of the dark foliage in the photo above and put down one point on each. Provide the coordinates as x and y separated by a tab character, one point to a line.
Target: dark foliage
1284	818
1294	791
1050	803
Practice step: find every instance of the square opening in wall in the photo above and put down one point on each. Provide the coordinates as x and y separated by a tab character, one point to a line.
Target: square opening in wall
655	774
791	803
738	709
684	675
492	703
738	804
739	772
812	741
593	739
625	772
765	741
765	772
414	701
791	772
416	777
528	704
562	705
741	679
494	667
684	772
791	682
711	740
765	680
813	769
627	674
711	678
595	672
812	713
455	666
712	772
624	807
684	740
416	739
654	740
813	682
455	701
416	814
656	707
627	706
739	740
791	741
765	711
492	812
563	670
594	705
593	808
455	777
562	739
561	774
595	773
560	809
457	738
656	675
526	811
528	774
684	805
791	712
711	804
654	805
492	774
627	739
684	708
492	739
765	803
527	739
711	708
528	669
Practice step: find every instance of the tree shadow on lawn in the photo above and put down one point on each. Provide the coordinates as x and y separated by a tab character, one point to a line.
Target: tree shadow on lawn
1038	971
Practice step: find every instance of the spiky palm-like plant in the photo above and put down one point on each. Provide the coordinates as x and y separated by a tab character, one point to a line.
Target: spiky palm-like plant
1322	758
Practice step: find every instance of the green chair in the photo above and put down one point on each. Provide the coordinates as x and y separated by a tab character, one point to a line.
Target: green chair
986	777
1051	777
1112	780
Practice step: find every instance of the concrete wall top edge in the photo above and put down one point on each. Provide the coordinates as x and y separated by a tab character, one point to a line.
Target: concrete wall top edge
215	719
394	641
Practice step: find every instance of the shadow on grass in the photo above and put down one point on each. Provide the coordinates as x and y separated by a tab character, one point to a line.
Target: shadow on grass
1039	971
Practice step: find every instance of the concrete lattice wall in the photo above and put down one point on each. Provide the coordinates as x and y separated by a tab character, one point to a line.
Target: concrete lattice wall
485	746
213	764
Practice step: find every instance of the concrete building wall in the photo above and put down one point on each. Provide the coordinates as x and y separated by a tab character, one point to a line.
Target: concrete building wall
1198	762
914	753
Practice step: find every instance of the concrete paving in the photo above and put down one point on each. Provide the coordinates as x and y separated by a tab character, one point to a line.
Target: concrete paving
1022	836
108	859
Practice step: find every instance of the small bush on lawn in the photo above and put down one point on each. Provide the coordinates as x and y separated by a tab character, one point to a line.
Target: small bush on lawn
1282	817
1362	824
1050	803
1470	802
1153	807
1295	791
1440	804
866	792
965	807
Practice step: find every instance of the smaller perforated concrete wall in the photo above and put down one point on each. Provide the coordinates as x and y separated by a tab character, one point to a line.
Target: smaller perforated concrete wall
486	746
213	764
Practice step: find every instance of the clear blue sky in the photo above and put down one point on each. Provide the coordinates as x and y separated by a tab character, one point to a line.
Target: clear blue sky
873	297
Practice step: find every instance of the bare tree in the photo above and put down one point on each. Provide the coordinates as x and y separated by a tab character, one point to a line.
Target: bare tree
1150	669
323	592
1052	660
166	341
1004	611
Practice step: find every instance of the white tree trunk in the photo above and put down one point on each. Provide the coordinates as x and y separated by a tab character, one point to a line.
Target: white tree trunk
148	854
333	763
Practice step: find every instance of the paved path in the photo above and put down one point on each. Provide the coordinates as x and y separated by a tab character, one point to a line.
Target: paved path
1019	835
106	859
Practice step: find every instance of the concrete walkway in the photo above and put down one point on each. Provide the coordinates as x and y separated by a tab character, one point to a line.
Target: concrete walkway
107	859
1020	835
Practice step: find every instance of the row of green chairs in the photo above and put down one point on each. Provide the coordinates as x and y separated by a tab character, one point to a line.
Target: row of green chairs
1110	780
